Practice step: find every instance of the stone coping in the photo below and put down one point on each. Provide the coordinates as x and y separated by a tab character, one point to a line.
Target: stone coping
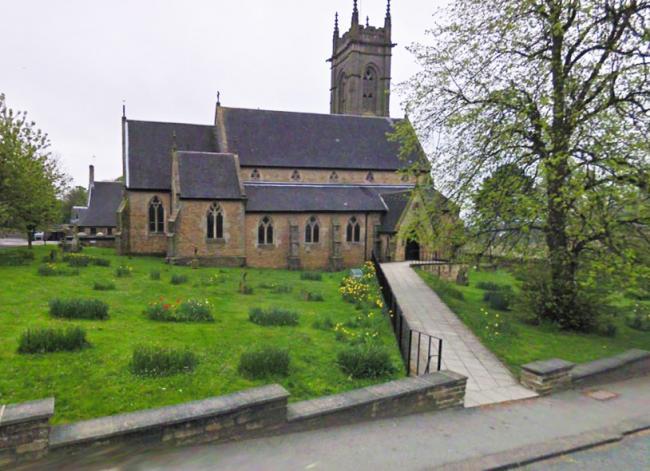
26	412
605	365
358	397
106	427
548	367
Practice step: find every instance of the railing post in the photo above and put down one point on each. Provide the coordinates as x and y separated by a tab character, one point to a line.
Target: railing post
439	354
428	356
417	372
408	366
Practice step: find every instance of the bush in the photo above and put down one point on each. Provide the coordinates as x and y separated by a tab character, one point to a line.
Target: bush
266	361
52	257
77	260
367	360
160	361
273	316
491	286
178	279
50	269
103	285
311	296
639	318
12	258
191	310
101	262
79	309
323	324
44	340
311	275
123	271
154	275
500	300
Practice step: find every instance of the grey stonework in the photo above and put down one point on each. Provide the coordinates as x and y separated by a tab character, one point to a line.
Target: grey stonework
24	431
361	68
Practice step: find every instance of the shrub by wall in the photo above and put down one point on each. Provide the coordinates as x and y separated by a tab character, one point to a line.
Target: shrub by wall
366	360
161	361
264	362
46	340
79	309
273	316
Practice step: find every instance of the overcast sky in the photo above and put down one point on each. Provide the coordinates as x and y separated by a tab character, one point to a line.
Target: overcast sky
71	63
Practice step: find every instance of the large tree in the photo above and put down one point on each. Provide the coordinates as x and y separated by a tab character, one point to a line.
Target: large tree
559	89
30	177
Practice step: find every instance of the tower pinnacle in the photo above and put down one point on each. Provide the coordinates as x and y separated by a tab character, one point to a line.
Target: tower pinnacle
355	14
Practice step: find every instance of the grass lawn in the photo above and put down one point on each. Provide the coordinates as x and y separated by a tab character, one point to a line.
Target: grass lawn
521	343
97	381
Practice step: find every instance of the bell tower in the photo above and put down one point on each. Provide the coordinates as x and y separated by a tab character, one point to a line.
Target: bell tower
360	66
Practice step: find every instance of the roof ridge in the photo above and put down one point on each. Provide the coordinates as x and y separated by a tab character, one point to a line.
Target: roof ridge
169	122
385	118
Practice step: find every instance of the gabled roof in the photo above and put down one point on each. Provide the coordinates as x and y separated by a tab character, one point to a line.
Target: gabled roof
104	199
285	197
208	176
396	203
264	138
149	146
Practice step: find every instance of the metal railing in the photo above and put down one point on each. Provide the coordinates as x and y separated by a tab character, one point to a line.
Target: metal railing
427	347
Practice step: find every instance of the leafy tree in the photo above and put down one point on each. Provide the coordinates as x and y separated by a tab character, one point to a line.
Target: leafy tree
30	178
77	196
558	89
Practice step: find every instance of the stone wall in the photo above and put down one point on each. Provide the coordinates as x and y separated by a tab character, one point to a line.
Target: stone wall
191	232
140	240
270	174
24	431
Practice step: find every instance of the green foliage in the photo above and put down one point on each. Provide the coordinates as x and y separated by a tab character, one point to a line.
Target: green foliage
274	316
323	323
445	288
191	310
639	318
51	269
106	285
160	361
495	326
13	258
81	260
76	196
154	275
46	340
500	299
311	275
79	309
178	279
312	296
366	360
123	271
264	362
492	286
244	287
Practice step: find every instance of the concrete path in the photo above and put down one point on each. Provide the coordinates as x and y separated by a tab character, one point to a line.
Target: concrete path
477	438
488	380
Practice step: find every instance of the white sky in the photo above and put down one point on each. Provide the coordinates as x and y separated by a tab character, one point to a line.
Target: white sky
70	63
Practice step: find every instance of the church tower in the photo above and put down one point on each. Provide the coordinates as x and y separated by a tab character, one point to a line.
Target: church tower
361	68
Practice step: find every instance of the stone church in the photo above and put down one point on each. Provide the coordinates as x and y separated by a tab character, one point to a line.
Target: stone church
276	189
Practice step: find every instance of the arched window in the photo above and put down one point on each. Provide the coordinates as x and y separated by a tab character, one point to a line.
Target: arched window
295	176
215	222
265	231
255	174
370	177
353	232
156	216
312	231
334	177
370	90
341	93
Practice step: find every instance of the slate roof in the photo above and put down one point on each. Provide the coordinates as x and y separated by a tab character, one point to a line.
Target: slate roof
208	176
77	213
286	139
270	197
105	198
149	147
396	203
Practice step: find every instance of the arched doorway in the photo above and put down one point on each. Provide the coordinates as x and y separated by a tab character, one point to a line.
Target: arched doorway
412	250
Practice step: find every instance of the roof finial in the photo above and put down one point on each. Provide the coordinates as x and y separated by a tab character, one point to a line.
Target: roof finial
367	22
387	22
218	98
174	145
355	14
336	25
123	108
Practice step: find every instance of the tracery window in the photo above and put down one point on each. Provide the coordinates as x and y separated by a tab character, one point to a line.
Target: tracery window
312	231
265	231
370	89
215	222
353	230
156	216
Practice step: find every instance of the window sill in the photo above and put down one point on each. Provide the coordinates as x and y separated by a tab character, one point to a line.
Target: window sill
265	246
156	234
221	241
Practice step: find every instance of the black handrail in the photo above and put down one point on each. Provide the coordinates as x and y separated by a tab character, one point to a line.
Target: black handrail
397	321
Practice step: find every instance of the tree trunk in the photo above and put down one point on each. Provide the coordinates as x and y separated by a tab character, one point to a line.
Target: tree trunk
30	234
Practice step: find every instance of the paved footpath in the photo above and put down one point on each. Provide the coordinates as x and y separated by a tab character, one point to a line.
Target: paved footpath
488	380
468	439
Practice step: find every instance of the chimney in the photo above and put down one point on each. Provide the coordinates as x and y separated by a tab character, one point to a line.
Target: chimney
91	176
